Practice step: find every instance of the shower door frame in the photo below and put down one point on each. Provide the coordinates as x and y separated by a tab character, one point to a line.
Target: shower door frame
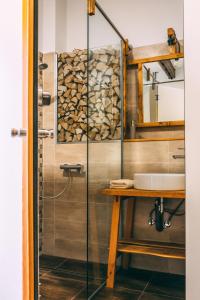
29	181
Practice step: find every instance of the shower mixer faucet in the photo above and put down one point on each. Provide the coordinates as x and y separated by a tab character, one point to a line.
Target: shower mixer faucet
46	133
75	170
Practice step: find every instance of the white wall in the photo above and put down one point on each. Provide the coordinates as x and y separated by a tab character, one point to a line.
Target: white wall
47	30
76	24
10	151
63	23
171	101
146	21
192	93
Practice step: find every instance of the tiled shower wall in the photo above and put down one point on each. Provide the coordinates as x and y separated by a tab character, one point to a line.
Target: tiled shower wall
64	219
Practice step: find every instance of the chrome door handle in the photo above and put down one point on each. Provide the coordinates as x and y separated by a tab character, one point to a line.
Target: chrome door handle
18	132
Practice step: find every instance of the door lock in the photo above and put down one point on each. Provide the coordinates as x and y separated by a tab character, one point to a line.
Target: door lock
18	132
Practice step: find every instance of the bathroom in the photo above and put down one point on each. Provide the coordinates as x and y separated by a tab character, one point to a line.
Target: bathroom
110	106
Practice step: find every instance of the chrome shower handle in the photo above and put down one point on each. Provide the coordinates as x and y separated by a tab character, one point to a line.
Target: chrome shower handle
45	133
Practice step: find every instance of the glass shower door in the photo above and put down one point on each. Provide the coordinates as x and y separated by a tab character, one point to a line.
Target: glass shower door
105	135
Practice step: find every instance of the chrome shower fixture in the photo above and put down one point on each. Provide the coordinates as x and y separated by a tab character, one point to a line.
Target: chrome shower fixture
44	98
43	66
75	170
46	133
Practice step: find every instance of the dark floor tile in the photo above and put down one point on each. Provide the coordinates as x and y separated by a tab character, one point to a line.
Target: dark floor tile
117	294
148	296
167	284
47	262
87	292
66	275
133	279
79	267
110	294
58	288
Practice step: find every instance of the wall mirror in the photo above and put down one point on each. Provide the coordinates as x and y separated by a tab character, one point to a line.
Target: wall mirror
155	107
163	91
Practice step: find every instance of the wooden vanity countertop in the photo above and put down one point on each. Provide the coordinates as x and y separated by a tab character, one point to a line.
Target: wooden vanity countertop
144	193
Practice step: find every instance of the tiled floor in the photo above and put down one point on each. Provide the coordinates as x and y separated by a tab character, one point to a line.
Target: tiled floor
66	280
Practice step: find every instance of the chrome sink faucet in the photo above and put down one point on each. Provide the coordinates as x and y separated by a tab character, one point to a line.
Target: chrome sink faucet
179	156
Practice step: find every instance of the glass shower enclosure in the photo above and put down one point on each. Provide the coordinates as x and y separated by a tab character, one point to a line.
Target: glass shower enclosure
105	136
80	145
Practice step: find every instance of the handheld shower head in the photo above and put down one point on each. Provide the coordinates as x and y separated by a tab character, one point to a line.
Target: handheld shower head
43	66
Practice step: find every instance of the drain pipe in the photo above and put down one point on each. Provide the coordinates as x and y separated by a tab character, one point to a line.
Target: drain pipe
156	216
168	221
159	215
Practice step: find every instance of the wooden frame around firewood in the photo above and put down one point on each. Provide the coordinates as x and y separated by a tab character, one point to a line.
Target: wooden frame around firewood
91	7
139	64
125	57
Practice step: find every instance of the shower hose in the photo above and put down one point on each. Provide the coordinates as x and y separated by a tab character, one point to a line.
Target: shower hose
67	187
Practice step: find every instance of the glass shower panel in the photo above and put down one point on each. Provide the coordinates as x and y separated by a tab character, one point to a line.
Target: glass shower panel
105	131
62	153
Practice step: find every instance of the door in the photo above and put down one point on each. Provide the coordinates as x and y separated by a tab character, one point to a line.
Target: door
16	163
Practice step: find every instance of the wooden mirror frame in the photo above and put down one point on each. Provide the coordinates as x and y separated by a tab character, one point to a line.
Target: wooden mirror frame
139	64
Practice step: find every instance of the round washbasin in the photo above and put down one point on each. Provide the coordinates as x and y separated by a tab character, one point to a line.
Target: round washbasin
159	181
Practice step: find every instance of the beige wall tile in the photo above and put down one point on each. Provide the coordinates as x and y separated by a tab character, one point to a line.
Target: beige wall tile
48	246
70	211
149	152
70	249
48	212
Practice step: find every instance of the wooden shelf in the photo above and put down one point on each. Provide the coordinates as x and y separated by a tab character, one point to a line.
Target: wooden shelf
160	124
144	193
153	140
155	58
159	249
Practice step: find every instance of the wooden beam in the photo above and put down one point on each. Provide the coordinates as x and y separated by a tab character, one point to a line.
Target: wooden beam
113	243
155	58
144	193
158	244
153	140
156	249
161	124
125	53
140	94
91	7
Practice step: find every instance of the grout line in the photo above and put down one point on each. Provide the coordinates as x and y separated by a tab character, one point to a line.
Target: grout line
49	271
142	293
60	264
152	293
167	296
77	294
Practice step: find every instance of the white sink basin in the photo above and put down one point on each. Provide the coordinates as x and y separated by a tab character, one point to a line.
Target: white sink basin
159	181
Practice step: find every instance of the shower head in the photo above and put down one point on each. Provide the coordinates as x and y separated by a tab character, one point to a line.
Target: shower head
43	66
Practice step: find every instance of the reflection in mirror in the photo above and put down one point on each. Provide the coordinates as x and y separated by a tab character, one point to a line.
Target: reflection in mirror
163	90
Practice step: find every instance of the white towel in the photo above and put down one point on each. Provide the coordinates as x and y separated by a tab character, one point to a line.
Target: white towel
121	184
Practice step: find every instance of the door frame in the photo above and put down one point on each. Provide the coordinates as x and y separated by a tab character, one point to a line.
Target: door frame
28	253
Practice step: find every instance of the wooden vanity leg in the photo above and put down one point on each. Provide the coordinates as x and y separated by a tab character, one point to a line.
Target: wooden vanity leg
128	230
113	243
